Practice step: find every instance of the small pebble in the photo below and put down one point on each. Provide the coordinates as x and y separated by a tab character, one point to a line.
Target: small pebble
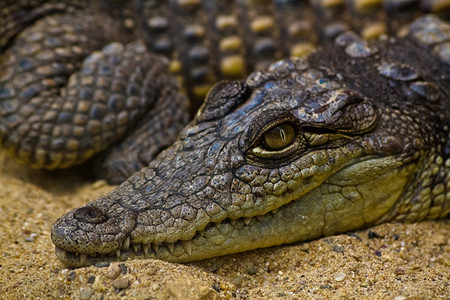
325	286
373	235
399	271
123	269
120	283
305	247
113	271
65	271
102	264
31	237
252	271
98	285
72	275
91	279
339	276
216	287
86	293
365	283
399	298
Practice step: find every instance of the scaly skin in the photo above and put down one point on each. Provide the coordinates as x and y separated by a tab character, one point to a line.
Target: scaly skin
65	94
354	135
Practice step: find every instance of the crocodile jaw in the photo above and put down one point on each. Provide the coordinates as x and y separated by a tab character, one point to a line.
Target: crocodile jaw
330	208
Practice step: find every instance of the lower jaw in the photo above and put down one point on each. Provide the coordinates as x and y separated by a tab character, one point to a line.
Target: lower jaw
78	260
74	260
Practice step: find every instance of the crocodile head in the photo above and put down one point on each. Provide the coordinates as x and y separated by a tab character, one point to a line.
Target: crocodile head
295	152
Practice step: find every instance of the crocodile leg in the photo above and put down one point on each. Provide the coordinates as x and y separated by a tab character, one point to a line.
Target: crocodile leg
59	106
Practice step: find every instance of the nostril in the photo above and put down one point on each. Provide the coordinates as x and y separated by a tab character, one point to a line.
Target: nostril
90	214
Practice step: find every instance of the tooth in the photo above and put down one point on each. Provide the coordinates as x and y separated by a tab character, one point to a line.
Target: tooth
187	245
83	259
126	244
247	221
145	248
233	221
202	233
77	254
171	247
136	247
217	225
274	211
155	247
118	253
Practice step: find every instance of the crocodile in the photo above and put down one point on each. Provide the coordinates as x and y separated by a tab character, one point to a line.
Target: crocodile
355	134
65	97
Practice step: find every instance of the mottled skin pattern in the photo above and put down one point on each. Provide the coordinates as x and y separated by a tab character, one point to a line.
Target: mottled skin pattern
354	135
61	102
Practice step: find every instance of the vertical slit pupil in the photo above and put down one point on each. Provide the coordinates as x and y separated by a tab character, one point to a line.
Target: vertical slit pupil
279	137
282	135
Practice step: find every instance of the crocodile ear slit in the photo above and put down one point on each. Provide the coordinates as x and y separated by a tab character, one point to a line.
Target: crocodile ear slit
222	98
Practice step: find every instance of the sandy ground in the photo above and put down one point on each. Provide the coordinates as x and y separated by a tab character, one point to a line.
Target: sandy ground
390	261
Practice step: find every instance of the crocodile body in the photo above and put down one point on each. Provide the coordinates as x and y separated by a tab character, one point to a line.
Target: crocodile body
59	108
353	135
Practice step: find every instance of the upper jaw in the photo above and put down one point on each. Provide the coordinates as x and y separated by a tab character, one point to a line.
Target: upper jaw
197	247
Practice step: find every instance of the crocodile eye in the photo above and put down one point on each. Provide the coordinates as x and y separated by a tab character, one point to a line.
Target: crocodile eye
277	142
279	137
